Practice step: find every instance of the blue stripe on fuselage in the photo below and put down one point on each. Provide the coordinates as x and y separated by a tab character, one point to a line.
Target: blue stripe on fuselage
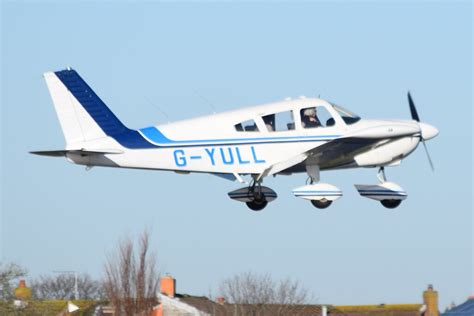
155	136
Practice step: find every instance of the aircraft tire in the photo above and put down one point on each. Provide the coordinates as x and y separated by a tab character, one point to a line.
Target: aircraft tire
321	203
391	203
257	205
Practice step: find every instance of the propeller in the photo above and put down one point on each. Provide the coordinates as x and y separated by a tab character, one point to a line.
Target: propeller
414	116
427	154
414	113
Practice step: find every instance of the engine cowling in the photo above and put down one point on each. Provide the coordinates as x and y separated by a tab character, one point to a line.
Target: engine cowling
387	153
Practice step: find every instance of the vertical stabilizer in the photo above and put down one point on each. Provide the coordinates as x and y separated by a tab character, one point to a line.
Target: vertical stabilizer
83	115
77	125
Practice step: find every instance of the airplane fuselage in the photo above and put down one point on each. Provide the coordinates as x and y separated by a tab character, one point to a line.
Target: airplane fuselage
254	154
299	135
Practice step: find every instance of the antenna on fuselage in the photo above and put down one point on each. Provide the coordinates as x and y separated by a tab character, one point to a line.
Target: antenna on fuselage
158	108
207	101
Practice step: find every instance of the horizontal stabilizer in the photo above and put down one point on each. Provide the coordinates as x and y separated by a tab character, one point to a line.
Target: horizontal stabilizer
84	152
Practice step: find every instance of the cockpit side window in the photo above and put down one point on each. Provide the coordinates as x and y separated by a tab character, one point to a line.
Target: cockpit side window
279	122
346	115
246	126
316	116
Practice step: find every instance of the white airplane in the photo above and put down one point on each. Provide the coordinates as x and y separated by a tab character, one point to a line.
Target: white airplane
293	136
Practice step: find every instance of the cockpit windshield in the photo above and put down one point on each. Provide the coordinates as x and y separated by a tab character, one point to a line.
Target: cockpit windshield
346	115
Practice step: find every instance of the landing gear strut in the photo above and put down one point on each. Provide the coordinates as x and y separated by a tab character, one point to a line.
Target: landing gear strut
258	201
381	175
256	196
388	203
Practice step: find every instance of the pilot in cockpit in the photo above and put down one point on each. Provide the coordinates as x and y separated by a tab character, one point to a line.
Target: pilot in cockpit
310	118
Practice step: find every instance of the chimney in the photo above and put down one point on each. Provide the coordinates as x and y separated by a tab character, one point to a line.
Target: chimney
430	299
168	286
220	300
22	292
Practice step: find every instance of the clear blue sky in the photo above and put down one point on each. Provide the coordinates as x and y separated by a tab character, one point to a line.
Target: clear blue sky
364	56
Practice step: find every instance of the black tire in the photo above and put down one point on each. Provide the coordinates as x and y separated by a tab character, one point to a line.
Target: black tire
257	205
391	203
321	203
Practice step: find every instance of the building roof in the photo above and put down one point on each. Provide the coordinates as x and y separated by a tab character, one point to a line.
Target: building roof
381	309
465	309
208	306
46	307
211	307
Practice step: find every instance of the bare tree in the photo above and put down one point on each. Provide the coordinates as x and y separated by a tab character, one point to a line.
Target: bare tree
61	287
9	274
131	279
260	294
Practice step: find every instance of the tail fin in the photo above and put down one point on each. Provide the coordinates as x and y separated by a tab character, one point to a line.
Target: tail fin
83	115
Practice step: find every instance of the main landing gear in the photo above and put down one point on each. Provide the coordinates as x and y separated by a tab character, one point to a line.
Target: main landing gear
321	195
256	196
389	194
321	204
258	200
257	204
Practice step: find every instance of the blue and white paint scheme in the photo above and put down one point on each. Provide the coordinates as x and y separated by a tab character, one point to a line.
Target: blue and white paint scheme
385	191
291	136
320	194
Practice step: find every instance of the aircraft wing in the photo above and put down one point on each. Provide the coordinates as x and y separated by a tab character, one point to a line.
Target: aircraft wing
338	153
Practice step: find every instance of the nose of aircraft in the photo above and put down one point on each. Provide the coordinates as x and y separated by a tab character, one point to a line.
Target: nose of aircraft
428	131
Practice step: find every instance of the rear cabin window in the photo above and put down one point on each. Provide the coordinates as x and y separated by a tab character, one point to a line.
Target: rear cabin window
316	116
246	126
279	122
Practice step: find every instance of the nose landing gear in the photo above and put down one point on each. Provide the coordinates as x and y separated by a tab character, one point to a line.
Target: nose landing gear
391	203
389	194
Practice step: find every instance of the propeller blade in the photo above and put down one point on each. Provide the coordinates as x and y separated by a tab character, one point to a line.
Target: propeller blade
428	154
414	116
414	113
